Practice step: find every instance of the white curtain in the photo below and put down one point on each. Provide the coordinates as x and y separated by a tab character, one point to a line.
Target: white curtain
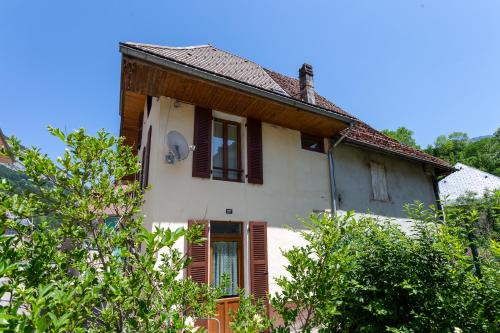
225	261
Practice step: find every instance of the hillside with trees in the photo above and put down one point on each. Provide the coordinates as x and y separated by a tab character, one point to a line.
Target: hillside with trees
482	153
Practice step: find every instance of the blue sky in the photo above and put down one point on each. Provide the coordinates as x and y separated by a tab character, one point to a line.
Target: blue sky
432	66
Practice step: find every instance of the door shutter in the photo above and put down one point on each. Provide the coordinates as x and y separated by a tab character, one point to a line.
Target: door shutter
148	154
203	142
259	283
198	268
254	151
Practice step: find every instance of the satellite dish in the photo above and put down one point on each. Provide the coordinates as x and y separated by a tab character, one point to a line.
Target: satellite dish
178	147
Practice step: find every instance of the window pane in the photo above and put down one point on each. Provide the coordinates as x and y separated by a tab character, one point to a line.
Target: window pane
225	265
111	221
232	151
311	142
225	228
218	149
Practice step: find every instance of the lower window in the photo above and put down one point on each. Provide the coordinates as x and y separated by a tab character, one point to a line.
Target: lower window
226	254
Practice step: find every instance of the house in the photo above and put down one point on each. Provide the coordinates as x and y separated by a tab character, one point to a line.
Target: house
467	180
268	148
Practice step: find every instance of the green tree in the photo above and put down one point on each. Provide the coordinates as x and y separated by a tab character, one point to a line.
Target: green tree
74	256
450	148
366	275
483	154
403	135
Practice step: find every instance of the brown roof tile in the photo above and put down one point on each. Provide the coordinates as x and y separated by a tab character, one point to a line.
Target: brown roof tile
222	63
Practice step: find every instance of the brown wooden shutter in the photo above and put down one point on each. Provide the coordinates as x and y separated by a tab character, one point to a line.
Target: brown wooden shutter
148	154
259	283
143	162
198	268
203	142
254	151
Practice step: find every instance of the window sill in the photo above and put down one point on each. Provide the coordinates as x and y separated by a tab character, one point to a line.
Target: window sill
228	180
228	298
314	150
380	200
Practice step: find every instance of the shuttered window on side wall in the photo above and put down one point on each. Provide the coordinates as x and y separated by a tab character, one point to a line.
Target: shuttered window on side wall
379	182
203	142
254	152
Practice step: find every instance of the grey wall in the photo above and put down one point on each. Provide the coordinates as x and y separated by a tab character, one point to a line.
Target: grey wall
406	182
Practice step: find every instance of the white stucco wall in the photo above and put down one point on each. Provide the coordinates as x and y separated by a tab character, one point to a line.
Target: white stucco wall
296	183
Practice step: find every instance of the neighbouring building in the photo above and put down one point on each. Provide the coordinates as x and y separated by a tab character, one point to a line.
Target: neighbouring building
466	181
267	149
4	158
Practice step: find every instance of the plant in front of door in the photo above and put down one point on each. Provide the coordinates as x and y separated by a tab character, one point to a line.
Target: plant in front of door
251	316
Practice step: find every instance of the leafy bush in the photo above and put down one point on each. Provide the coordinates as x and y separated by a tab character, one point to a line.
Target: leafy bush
486	224
250	317
65	266
365	275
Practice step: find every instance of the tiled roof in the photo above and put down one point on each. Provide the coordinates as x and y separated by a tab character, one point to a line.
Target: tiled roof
467	180
216	61
291	86
361	133
222	63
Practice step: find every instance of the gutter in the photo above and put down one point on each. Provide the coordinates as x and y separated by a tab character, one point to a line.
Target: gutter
331	170
206	75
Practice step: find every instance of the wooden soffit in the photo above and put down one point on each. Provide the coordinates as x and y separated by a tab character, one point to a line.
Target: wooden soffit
140	79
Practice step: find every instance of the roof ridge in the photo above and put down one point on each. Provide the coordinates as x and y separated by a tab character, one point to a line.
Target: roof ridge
170	47
475	169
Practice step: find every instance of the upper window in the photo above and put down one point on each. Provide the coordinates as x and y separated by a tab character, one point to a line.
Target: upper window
312	142
226	151
379	182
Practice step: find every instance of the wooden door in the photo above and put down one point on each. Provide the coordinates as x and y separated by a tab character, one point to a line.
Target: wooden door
224	308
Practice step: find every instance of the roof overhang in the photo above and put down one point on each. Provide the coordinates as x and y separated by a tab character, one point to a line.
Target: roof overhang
145	74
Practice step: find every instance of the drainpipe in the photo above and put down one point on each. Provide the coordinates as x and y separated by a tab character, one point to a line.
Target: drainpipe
331	170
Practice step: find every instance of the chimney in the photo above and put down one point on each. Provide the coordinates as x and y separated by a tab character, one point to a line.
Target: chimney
306	84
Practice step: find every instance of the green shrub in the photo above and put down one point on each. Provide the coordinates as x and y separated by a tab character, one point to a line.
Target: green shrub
251	316
365	275
65	267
